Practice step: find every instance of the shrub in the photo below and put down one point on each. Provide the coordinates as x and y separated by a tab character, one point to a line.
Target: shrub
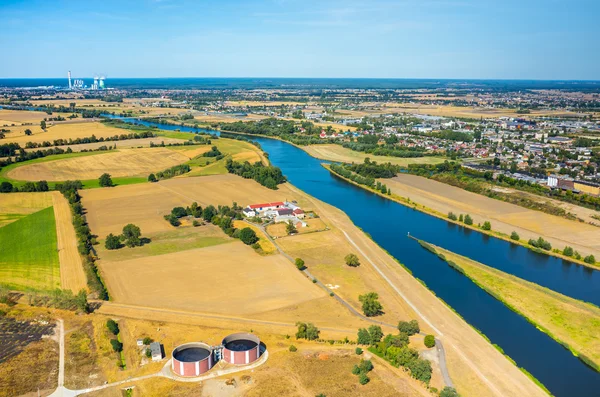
112	326
196	223
355	370
486	225
148	353
365	366
449	392
468	220
112	242
148	340
409	327
363	379
299	264
152	178
293	348
429	341
567	251
352	260
248	236
116	345
589	259
358	351
514	236
451	216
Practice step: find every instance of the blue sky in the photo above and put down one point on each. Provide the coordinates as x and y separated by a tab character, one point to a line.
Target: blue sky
504	39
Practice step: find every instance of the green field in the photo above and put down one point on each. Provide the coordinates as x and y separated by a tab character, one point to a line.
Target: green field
29	256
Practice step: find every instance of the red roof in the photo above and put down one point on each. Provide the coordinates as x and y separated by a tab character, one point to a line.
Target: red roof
276	204
298	211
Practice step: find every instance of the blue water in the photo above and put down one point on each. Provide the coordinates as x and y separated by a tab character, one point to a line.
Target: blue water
388	224
310	83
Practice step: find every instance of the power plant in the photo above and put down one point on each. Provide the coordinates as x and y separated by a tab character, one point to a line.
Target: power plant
78	84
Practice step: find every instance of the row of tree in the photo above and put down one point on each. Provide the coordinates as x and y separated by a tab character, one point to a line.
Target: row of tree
267	175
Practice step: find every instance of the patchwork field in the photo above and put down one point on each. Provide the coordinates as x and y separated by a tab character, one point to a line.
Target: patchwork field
15	206
504	217
234	281
62	131
145	204
124	144
125	162
29	257
333	152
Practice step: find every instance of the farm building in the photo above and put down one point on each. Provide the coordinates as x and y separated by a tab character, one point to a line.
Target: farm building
156	351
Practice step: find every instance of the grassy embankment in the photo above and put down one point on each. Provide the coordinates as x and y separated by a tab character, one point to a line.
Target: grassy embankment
430	211
572	323
28	258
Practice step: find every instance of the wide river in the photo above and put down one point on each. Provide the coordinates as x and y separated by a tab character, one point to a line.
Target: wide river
388	223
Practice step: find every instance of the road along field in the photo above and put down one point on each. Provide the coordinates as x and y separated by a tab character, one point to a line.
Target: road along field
124	162
28	258
477	364
62	131
573	323
333	152
505	217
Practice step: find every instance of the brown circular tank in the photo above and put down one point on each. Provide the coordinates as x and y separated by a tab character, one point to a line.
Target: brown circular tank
241	348
192	359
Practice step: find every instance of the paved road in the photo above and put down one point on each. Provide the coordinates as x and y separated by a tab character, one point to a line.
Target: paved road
438	343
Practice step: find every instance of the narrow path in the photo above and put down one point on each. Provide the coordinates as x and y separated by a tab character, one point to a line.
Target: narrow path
438	343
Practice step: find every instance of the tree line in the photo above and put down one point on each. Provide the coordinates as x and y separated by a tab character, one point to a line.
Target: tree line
267	175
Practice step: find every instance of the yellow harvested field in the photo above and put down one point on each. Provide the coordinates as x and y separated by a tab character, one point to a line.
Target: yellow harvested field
14	206
266	245
18	117
125	162
504	217
571	321
280	229
145	204
124	144
63	131
72	275
333	152
229	279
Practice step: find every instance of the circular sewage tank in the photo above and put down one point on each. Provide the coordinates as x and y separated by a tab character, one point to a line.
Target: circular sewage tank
241	348
192	359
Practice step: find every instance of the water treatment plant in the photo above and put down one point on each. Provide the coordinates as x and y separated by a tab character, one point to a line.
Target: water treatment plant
196	358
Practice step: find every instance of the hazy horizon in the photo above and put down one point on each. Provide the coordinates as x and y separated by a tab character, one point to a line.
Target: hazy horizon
402	39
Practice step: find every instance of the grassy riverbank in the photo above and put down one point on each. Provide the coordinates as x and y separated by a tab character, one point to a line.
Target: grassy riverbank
572	323
419	207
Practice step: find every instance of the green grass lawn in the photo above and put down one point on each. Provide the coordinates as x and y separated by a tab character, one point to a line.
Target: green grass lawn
29	256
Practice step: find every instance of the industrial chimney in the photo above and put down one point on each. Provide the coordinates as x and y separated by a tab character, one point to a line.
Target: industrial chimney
70	80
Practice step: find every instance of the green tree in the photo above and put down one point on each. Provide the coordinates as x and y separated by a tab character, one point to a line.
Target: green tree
451	216
152	178
448	391
6	187
352	260
589	259
363	379
43	124
147	340
112	326
567	251
514	236
112	242
409	327
468	220
460	218
208	213
248	236
370	304
429	341
178	212
486	225
131	235
364	338
148	353
307	331
420	369
375	333
293	348
290	228
105	180
116	345
358	351
28	132
365	366
299	264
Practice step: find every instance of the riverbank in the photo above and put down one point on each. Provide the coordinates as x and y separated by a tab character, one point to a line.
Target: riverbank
430	211
572	323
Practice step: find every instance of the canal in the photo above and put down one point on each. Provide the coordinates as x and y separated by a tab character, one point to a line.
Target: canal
388	224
